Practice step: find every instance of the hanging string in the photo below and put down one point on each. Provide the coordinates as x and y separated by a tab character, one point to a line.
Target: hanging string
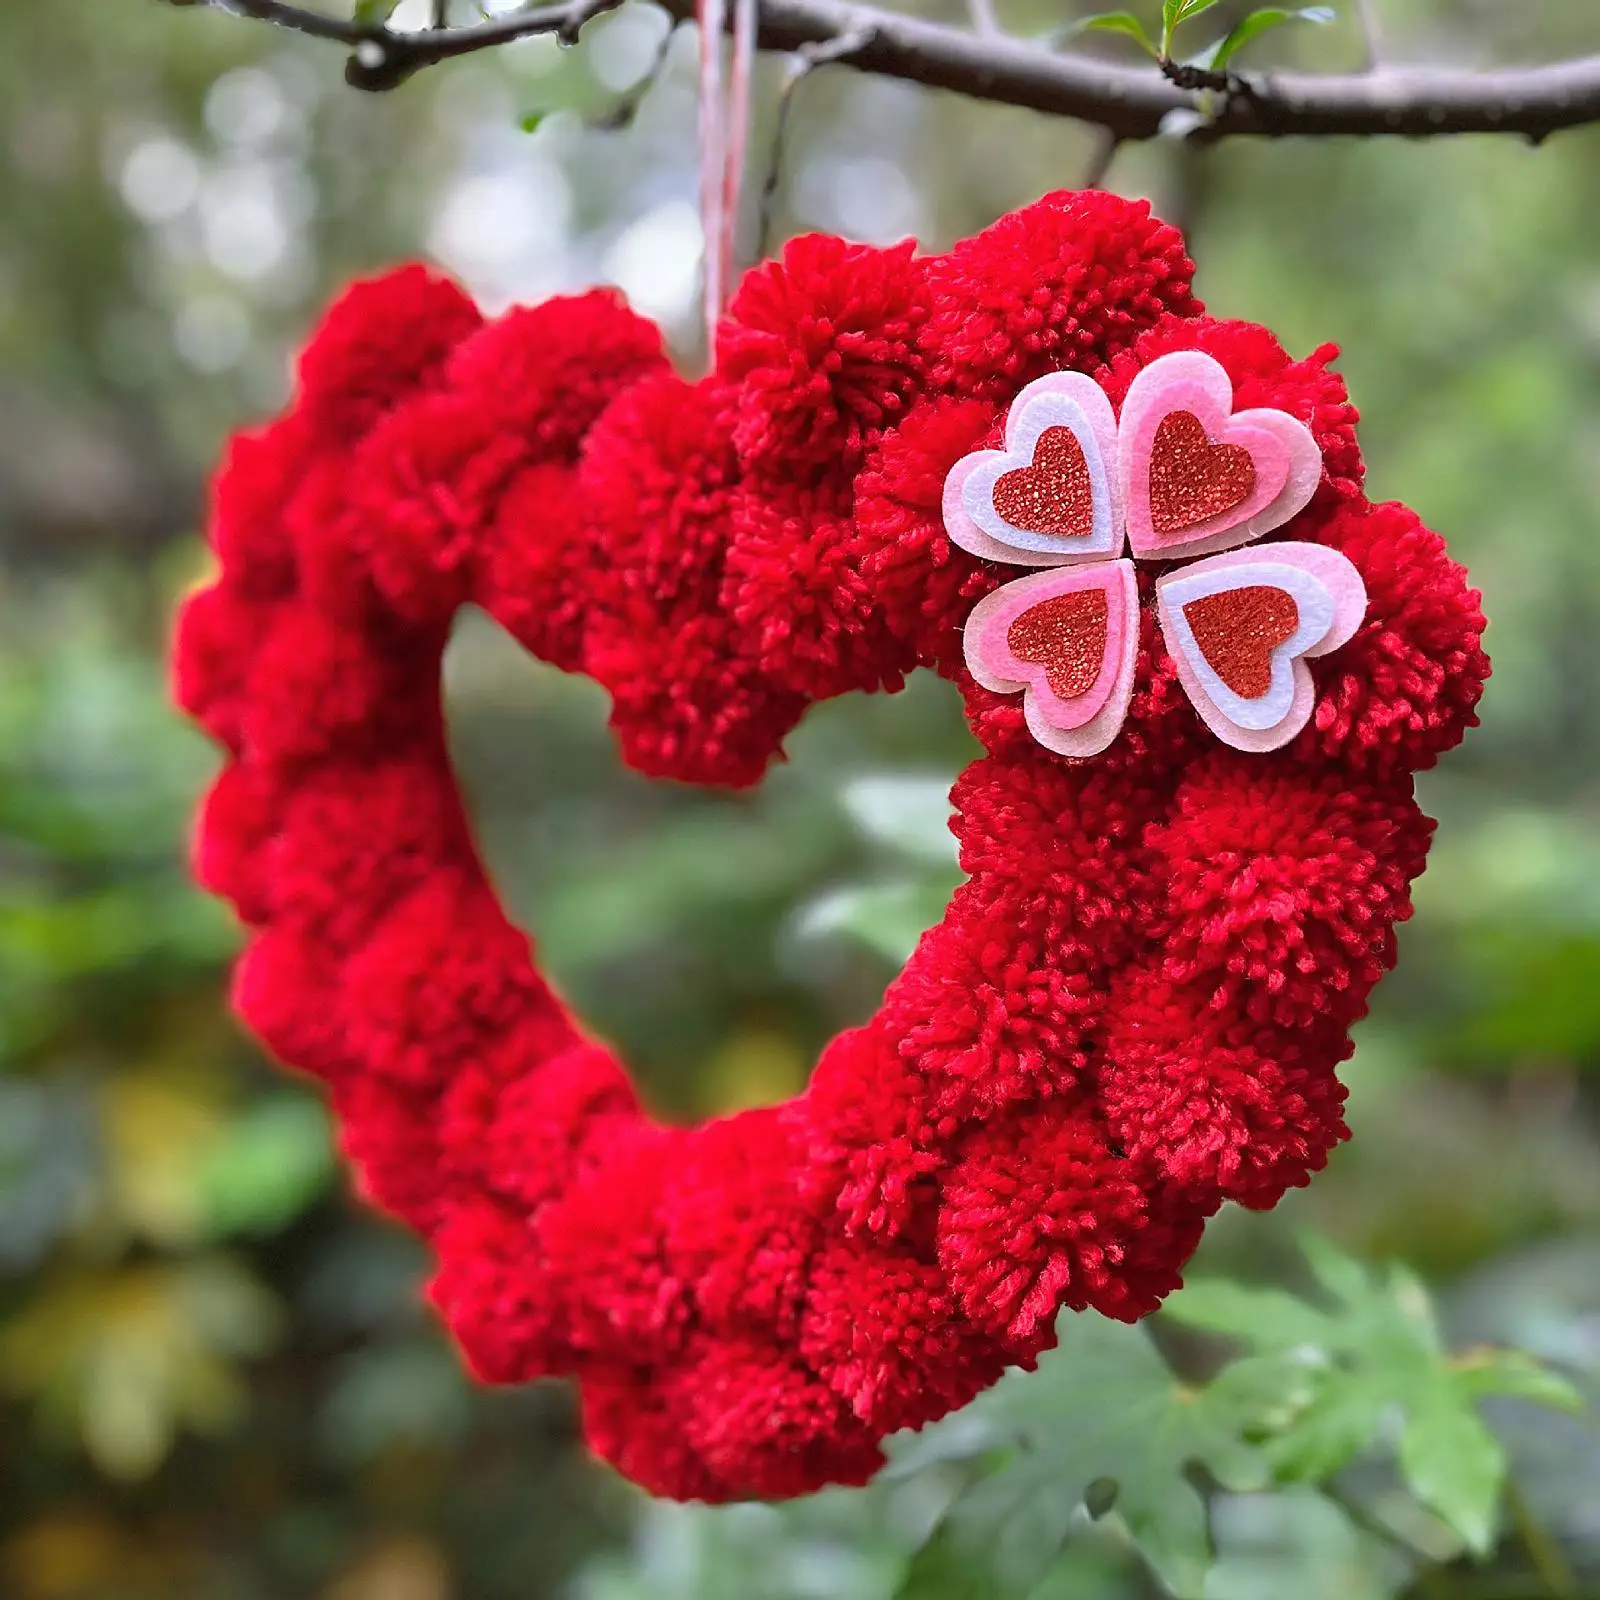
724	135
744	56
713	154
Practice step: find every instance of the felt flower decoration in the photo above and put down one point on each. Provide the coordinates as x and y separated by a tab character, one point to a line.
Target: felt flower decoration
1180	474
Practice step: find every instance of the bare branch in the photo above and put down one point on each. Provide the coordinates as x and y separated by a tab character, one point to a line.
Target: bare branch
383	58
1128	102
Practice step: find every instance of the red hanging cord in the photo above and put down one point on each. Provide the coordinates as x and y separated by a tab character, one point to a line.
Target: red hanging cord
724	133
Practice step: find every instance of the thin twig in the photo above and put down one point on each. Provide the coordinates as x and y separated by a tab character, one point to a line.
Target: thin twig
621	115
382	58
801	65
1544	1550
1106	144
1129	101
984	21
1371	33
1371	1523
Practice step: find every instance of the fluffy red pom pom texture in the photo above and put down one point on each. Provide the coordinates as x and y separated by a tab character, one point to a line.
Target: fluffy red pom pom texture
1134	1007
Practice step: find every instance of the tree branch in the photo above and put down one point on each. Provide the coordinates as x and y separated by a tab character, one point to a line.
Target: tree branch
383	58
1127	102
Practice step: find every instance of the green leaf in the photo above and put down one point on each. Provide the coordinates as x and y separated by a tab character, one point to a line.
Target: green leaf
273	1163
1175	11
1269	1319
1382	1353
1346	1279
1103	1415
1515	1375
530	120
1114	22
1376	1350
374	13
887	918
1453	1464
1215	57
1001	1538
907	813
1326	1435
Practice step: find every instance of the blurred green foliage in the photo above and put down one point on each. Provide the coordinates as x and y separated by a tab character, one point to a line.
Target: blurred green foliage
215	1375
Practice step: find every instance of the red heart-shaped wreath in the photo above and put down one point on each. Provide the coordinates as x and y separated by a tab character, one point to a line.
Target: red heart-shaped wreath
1134	1006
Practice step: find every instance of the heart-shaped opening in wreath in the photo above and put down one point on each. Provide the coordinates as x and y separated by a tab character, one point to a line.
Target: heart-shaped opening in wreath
717	940
1136	1000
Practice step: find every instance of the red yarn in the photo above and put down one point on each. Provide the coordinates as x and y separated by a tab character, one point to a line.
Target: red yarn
820	354
1132	1011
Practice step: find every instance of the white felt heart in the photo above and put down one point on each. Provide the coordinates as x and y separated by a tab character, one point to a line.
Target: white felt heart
1240	625
1067	639
1051	497
1196	476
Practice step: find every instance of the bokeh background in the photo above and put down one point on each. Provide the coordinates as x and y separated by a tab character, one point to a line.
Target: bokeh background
215	1375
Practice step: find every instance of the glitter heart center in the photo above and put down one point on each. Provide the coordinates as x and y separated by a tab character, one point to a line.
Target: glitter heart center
1066	635
1055	494
1193	480
1238	629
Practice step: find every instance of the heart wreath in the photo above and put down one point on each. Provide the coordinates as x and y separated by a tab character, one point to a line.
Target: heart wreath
1136	1002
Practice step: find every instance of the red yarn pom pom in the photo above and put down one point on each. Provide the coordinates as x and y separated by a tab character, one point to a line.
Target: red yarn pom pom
245	528
379	341
1216	1106
922	581
737	1229
231	834
546	372
820	353
439	982
1406	687
536	567
884	1330
1064	283
535	1113
1283	887
762	1421
794	586
494	1297
604	1241
1038	1214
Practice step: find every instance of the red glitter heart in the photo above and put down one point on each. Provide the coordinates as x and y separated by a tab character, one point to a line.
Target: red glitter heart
1238	629
1192	479
1066	634
1054	494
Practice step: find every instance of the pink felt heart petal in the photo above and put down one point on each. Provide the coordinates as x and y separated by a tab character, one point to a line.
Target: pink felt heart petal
1022	638
981	486
1287	463
1224	617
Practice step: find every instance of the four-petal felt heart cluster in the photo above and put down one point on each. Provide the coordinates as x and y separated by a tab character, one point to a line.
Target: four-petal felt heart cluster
1180	475
1135	1004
